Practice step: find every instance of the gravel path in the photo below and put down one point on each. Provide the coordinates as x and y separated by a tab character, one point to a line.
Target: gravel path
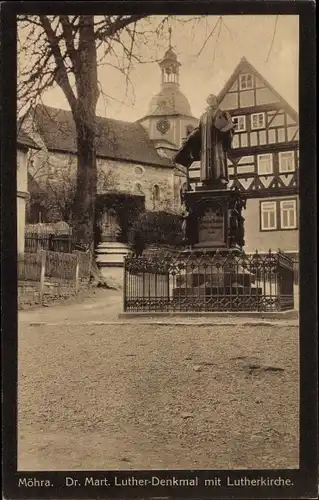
136	396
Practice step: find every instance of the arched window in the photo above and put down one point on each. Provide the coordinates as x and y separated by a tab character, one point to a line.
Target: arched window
156	195
138	189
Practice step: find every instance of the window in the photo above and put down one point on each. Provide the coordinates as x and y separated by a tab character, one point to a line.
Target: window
288	215
286	162
138	189
246	81
156	192
257	121
240	123
278	215
268	215
265	164
139	171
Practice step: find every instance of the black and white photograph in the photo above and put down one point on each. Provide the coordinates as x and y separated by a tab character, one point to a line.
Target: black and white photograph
158	247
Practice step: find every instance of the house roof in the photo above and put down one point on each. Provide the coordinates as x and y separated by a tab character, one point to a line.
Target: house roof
25	141
119	140
245	66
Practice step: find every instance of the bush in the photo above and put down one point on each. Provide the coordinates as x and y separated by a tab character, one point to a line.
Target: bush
157	228
126	206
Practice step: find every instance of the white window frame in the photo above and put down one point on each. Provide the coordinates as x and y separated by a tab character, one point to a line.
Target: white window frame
294	211
244	76
264	210
242	119
252	121
282	162
259	161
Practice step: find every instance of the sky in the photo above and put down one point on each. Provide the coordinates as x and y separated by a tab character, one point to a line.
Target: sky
204	73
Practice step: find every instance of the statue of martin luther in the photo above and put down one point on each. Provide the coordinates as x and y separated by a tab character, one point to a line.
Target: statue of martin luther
209	143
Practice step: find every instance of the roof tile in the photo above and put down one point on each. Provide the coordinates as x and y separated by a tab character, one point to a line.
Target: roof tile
127	141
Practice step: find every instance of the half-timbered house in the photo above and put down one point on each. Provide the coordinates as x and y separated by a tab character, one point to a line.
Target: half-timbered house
263	161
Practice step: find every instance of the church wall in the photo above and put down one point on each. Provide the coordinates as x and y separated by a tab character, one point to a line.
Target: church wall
154	133
134	178
184	123
51	166
60	168
177	131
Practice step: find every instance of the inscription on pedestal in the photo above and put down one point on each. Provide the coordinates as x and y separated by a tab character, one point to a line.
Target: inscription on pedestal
211	227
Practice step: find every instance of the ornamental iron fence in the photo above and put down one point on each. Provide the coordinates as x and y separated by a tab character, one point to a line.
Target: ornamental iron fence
206	281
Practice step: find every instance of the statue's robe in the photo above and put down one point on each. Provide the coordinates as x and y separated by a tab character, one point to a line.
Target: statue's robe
209	144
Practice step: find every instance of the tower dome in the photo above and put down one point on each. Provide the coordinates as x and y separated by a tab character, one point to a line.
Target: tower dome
170	100
169	118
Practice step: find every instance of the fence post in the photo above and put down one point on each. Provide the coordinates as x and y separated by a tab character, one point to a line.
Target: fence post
42	274
91	256
124	283
77	272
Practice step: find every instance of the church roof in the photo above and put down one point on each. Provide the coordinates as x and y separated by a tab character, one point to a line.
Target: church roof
118	140
245	66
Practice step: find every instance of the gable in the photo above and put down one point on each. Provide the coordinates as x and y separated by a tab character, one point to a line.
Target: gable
246	88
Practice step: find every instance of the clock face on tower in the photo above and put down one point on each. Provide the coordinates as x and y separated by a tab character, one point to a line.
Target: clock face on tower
163	125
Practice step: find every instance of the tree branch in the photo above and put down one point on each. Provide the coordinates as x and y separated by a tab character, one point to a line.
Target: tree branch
61	75
273	38
68	31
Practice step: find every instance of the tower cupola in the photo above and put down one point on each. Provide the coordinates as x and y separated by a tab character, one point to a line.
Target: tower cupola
170	65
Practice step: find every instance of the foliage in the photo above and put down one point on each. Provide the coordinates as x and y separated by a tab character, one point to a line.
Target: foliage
54	194
126	206
159	228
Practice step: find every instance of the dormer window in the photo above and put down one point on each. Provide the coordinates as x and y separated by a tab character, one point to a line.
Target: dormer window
245	81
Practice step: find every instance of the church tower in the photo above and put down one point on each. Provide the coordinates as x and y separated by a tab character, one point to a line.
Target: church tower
169	118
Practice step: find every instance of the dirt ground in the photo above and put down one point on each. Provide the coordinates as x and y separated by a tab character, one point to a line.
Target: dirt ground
140	396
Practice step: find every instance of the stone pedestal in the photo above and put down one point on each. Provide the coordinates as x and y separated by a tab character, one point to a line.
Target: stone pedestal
220	279
215	227
215	219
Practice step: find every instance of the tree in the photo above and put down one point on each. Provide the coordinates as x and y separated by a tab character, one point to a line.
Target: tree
65	53
56	186
63	50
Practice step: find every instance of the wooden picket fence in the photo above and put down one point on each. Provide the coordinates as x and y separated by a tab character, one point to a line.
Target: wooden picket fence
57	273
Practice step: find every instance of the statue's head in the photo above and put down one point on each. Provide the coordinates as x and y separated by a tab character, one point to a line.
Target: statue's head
212	101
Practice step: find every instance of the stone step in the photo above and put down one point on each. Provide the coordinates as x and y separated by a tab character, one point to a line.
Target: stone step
113	244
113	252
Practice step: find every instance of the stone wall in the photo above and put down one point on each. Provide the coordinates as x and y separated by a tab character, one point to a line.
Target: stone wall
29	294
135	178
